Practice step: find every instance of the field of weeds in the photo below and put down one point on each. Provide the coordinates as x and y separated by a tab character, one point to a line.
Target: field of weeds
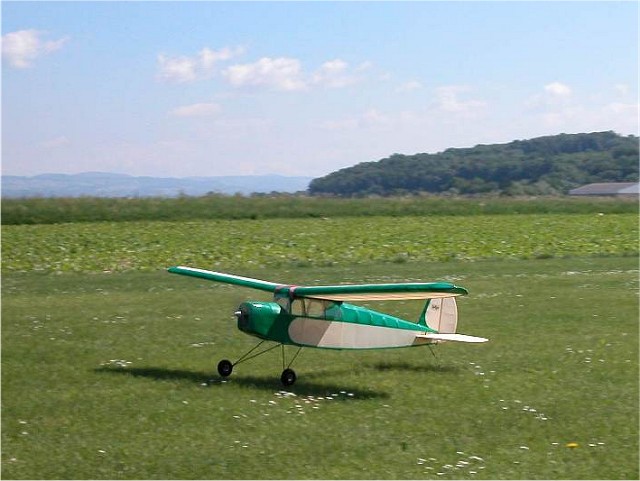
341	241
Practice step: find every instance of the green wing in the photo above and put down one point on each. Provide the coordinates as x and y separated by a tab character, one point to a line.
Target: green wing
381	292
348	292
226	278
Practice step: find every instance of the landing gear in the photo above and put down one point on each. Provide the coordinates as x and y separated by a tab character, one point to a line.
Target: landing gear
288	377
225	367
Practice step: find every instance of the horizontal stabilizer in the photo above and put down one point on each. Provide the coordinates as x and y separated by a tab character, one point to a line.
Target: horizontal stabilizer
451	337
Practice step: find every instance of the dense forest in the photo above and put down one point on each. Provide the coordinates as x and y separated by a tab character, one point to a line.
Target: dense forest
541	166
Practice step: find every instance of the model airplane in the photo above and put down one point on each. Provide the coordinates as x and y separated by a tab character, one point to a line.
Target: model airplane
319	317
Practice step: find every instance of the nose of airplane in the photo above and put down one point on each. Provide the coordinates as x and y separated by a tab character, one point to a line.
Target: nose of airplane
242	314
257	318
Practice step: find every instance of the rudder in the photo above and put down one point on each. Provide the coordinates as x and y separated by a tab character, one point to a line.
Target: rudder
440	314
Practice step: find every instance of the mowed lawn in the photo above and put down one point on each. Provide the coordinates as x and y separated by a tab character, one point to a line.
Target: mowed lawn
112	375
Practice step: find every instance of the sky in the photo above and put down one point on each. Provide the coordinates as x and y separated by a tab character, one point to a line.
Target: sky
206	88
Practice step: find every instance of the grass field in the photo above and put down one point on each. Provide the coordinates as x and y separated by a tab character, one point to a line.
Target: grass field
108	362
111	375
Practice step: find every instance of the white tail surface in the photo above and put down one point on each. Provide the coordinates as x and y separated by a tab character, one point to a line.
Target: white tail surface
442	315
451	337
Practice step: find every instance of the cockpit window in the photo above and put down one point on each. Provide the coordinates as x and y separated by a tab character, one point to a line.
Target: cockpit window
313	308
284	303
296	307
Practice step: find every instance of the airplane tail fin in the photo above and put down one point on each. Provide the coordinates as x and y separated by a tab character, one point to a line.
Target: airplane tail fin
441	315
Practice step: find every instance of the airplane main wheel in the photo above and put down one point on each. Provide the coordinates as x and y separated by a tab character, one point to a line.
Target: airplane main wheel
288	377
225	367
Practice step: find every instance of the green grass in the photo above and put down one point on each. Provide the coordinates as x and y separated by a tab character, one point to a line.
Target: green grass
111	376
109	362
88	209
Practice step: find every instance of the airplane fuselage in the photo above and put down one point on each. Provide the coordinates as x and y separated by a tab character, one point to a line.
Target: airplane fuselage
327	325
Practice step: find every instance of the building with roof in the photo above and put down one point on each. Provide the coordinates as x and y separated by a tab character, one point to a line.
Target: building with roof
608	188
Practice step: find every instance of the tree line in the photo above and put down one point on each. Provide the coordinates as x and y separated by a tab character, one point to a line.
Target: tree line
548	165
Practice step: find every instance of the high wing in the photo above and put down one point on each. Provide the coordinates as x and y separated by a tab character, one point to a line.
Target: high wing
381	292
226	278
348	292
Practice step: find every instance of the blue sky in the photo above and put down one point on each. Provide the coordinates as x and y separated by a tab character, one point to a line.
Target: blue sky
302	88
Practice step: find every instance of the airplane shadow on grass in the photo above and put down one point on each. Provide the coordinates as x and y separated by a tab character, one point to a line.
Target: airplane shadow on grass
405	366
303	387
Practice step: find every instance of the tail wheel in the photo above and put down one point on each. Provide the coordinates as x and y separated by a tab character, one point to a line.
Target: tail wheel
225	367
288	377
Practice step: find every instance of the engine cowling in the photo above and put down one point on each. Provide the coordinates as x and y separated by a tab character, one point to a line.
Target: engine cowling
257	318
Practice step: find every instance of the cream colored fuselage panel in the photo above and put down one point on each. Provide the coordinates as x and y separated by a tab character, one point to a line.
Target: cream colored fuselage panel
347	335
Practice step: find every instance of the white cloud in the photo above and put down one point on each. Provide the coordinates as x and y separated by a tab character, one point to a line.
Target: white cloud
23	47
566	113
620	108
622	89
282	73
621	117
56	142
364	66
553	95
558	108
373	119
177	69
287	74
270	73
209	57
350	123
409	86
197	110
188	69
448	100
334	74
558	89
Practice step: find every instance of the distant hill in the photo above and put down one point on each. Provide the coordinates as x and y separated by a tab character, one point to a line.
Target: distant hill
99	184
540	166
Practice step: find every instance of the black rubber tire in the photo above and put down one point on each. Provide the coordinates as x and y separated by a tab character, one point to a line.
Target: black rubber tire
288	377
225	368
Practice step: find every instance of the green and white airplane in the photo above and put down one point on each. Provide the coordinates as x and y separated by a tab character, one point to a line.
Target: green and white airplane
318	316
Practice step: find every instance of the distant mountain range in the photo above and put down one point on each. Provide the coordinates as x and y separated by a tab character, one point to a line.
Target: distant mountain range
100	184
